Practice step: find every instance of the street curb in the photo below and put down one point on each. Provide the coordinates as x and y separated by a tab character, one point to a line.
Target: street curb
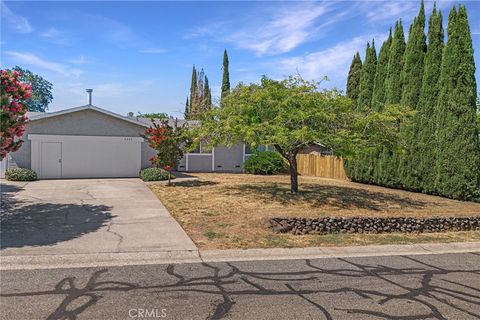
337	252
29	262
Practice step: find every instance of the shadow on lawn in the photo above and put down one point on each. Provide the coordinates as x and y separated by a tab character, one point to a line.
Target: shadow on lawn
316	195
195	183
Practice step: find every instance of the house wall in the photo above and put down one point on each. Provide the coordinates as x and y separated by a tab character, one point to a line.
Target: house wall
222	159
84	123
229	159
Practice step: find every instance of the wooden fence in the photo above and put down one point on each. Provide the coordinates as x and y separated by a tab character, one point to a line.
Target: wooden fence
321	166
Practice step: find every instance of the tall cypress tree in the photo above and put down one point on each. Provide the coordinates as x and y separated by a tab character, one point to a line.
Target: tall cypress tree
421	152
186	113
411	78
378	97
393	87
225	77
193	93
353	80
412	73
207	96
390	160
458	149
367	79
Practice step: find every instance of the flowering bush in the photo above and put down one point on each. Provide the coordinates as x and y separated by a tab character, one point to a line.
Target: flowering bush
13	111
168	142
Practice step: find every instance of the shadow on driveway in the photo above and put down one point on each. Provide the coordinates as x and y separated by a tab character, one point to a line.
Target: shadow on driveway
48	223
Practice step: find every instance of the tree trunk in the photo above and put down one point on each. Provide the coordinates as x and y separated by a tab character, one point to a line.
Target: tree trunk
169	178
292	161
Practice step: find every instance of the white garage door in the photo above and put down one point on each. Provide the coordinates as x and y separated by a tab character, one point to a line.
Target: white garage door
56	156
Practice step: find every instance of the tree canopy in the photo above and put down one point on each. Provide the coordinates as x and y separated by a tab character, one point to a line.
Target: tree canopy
292	114
41	90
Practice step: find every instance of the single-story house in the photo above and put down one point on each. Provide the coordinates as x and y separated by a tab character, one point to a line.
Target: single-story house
91	142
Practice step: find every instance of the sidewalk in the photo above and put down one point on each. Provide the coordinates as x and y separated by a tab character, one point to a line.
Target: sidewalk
194	256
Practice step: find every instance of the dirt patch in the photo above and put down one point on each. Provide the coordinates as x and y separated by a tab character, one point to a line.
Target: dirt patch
229	210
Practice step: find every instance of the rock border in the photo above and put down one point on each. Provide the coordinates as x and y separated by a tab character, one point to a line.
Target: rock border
326	225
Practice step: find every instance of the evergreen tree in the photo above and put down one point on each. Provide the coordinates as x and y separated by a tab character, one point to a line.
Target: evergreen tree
393	87
458	150
186	113
367	79
354	75
382	66
411	78
207	96
193	92
412	73
422	149
200	95
226	76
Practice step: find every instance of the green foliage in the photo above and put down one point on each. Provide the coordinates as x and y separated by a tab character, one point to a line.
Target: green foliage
354	75
411	77
41	90
225	76
20	174
154	174
378	97
157	115
265	162
393	85
439	151
367	80
421	153
200	95
292	114
458	149
412	73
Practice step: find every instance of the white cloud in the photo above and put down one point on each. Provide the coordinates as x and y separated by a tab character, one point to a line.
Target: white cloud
282	30
153	50
79	60
19	23
332	62
34	60
51	33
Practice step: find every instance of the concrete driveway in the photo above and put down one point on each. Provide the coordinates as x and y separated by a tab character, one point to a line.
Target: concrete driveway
63	217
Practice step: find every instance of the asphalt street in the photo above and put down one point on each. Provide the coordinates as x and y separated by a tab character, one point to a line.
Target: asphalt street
444	286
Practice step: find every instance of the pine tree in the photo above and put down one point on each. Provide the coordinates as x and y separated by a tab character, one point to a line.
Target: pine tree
378	98
393	87
458	149
367	79
353	80
422	149
412	73
226	76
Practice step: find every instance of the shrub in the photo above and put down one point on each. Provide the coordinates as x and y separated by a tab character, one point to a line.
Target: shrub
154	174
20	174
265	162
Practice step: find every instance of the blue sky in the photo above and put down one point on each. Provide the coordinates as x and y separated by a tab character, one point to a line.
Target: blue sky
138	56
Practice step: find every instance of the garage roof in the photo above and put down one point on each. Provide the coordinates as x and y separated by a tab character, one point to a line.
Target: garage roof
42	115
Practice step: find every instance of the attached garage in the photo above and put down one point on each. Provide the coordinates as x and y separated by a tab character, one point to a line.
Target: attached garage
61	156
84	142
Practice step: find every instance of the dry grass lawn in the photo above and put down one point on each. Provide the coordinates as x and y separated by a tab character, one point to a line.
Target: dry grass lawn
229	210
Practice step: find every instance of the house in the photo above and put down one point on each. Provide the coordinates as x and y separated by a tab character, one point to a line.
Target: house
317	148
91	142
